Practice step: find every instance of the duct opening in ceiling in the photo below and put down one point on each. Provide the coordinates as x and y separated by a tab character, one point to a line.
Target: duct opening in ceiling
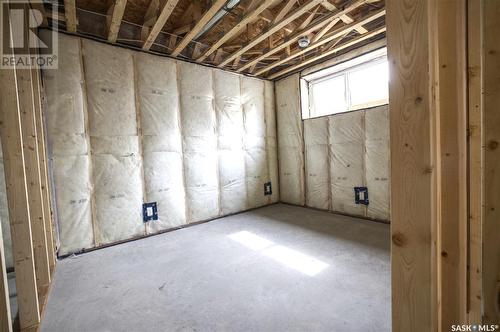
228	7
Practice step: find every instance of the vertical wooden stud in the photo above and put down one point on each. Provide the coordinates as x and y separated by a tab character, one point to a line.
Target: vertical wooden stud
414	164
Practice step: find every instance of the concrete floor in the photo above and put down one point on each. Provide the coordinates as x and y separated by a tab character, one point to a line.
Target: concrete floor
278	268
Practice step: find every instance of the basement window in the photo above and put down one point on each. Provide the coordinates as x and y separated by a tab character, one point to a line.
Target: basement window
356	84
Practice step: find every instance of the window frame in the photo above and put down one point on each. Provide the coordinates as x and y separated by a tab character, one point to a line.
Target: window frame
307	98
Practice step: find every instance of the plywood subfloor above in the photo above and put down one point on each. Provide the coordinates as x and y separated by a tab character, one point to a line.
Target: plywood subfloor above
255	37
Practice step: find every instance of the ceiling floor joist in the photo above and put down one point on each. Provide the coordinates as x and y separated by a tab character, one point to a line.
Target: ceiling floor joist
331	36
327	20
117	9
249	17
351	42
165	13
274	28
218	4
70	14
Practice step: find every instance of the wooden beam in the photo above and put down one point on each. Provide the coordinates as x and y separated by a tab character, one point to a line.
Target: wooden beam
274	28
284	10
33	179
491	152
340	47
42	153
249	17
318	24
117	11
345	18
216	6
340	32
452	96
414	163
5	315
16	183
70	14
476	180
309	19
165	13
323	31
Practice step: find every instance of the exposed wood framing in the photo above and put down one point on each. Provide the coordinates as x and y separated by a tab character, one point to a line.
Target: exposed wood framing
452	96
33	179
491	132
24	164
5	315
70	14
249	17
44	177
274	28
318	24
17	198
284	10
165	13
340	32
345	56
330	52
413	165
116	10
345	17
309	19
216	6
476	183
323	31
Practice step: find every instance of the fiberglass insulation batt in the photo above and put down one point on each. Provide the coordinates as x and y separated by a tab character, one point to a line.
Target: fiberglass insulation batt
271	141
116	160
317	163
158	105
200	141
291	155
252	93
68	147
339	152
230	134
127	128
344	151
347	169
377	158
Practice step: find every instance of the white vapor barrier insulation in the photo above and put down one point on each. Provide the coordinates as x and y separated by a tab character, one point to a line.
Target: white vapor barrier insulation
200	141
4	217
127	128
344	151
252	92
116	160
68	147
271	140
347	169
377	162
158	101
290	140
317	163
233	194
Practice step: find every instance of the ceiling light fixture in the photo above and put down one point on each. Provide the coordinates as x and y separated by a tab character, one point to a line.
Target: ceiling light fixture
304	42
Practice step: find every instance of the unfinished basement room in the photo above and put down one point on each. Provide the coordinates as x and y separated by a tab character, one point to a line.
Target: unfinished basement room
250	165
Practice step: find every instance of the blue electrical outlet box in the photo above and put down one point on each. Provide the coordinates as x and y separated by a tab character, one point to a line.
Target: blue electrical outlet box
361	195
149	211
268	189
